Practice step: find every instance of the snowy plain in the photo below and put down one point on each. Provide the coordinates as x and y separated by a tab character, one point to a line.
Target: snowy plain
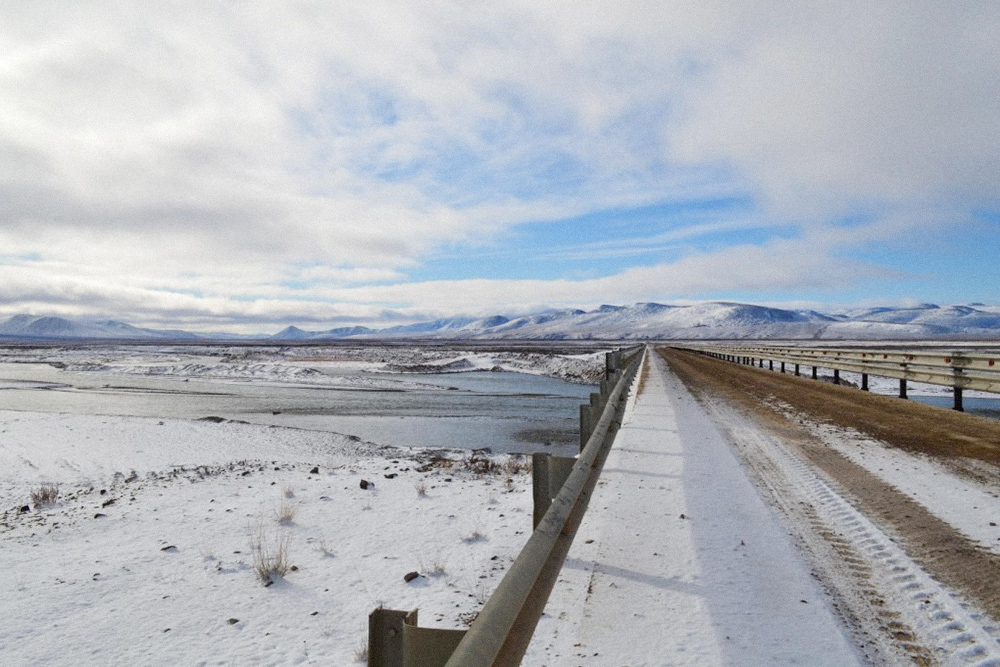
147	555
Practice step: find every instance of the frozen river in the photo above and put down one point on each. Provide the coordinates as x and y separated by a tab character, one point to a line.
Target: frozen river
504	411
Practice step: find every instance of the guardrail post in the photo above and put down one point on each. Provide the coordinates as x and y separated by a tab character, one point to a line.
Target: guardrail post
586	424
796	370
864	382
782	366
815	376
770	364
385	636
540	487
548	474
395	640
958	400
902	387
836	376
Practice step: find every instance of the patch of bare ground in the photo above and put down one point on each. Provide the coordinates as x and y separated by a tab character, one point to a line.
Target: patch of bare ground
942	551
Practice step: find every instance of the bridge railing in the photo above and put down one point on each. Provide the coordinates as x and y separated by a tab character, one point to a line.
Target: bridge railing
959	369
502	631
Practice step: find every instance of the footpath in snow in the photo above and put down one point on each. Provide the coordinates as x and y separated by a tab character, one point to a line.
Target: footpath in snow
679	561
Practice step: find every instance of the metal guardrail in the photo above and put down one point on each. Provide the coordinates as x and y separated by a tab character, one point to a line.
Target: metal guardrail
502	631
958	369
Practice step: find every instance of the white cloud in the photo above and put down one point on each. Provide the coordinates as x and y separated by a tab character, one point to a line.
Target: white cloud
830	109
283	160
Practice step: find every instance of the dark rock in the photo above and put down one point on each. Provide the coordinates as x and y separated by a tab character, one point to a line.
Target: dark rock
314	471
110	501
366	484
169	547
233	621
410	576
99	515
391	475
25	509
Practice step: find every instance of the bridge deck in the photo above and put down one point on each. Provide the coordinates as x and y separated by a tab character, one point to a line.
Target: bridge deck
679	560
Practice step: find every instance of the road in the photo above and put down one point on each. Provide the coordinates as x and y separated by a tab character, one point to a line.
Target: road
746	517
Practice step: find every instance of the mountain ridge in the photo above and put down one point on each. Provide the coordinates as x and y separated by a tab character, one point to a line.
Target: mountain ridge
640	321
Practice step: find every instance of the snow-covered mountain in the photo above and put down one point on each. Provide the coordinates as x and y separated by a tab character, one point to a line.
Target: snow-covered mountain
47	328
712	320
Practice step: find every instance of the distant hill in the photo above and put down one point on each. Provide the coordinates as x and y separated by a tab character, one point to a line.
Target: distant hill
711	320
49	328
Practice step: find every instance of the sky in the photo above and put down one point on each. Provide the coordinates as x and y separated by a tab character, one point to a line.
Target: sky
244	166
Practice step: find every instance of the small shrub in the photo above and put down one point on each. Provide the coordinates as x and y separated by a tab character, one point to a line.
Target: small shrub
361	654
286	513
421	488
270	554
288	492
44	496
479	464
516	465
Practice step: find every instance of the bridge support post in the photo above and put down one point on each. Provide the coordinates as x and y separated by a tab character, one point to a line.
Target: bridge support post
815	375
836	376
782	366
902	388
958	400
796	370
864	382
770	364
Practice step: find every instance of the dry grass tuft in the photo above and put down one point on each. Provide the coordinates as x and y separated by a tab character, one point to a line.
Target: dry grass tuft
421	488
286	512
270	554
44	496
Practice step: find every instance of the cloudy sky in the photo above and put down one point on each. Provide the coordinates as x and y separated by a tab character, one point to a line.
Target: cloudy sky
246	165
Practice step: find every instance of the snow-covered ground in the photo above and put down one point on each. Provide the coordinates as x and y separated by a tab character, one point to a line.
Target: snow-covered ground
146	557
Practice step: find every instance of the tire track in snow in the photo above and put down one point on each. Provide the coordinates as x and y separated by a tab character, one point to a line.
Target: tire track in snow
918	617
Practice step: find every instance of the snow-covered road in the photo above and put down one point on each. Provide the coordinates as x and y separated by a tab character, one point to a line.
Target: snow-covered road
679	561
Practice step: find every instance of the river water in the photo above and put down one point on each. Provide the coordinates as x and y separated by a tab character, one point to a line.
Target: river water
506	412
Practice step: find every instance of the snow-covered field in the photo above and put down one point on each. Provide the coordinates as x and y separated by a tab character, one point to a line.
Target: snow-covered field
150	552
148	557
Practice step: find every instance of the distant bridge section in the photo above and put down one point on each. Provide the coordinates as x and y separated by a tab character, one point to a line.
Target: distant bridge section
958	369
